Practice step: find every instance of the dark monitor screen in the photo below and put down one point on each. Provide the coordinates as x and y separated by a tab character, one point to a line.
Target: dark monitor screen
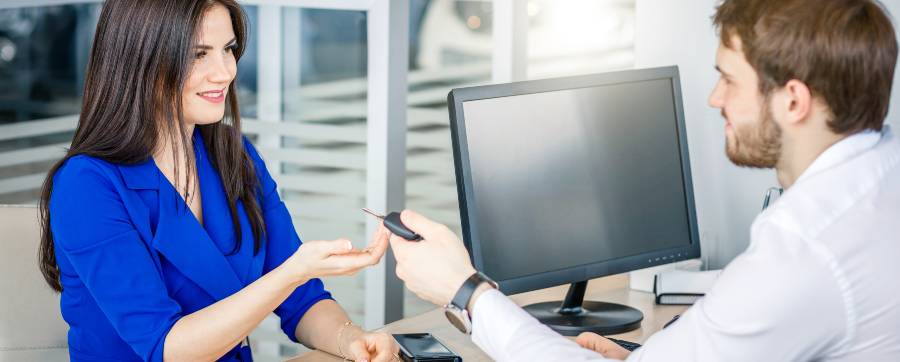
570	175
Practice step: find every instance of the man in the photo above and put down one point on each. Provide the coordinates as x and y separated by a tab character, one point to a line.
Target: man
804	89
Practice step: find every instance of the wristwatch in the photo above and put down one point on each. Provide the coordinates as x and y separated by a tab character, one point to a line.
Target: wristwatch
456	310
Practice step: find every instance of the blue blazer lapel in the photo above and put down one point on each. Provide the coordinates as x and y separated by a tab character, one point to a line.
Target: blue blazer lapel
217	217
181	240
142	178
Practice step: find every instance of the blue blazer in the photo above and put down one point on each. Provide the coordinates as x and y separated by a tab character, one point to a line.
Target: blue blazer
133	258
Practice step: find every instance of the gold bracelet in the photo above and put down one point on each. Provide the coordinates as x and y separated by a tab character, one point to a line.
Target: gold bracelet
340	342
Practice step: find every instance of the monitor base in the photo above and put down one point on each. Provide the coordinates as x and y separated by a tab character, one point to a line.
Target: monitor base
574	316
598	317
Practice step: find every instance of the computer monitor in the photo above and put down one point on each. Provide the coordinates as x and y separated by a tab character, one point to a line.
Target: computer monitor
564	180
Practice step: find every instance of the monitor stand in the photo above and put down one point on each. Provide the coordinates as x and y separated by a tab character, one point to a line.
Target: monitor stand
575	315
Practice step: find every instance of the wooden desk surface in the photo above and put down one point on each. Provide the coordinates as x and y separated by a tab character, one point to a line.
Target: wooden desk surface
610	289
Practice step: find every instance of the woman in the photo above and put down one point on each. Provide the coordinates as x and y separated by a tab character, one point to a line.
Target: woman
162	228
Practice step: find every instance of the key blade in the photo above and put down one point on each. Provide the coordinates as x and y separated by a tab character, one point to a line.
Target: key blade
373	213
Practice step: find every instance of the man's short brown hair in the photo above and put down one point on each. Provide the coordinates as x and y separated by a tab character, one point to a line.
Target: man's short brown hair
845	51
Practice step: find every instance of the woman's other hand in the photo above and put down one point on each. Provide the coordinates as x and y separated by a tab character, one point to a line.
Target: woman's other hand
371	347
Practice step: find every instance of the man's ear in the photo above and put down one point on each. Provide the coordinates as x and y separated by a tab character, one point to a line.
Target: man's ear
796	101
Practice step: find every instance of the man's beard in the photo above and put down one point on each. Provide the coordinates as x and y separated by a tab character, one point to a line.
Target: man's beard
757	147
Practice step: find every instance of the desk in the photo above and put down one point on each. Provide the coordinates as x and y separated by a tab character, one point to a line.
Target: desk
611	289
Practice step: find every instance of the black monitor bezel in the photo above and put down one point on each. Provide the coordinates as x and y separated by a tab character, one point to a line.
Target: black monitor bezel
455	100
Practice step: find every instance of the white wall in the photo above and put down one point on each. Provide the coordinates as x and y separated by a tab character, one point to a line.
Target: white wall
728	198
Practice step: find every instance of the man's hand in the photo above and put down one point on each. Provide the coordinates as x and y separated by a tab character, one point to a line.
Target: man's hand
435	267
603	346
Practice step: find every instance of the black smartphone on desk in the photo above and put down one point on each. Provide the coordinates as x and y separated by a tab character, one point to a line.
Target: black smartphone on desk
416	347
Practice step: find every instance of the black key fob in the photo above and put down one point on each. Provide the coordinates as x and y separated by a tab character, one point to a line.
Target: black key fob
393	223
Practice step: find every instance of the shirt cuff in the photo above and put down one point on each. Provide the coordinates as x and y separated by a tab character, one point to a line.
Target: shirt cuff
495	319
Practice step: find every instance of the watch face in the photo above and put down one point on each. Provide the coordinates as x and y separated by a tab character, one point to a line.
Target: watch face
459	319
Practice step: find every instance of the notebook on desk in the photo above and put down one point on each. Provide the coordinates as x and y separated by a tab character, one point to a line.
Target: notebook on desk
683	287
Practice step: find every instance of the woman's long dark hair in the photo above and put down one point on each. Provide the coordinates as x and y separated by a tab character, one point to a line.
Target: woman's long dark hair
140	59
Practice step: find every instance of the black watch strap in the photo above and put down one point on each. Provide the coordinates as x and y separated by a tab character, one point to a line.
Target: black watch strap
464	294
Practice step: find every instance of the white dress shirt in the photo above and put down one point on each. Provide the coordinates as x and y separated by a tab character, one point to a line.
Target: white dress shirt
817	282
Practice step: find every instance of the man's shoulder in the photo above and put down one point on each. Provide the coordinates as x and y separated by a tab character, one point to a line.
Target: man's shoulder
820	203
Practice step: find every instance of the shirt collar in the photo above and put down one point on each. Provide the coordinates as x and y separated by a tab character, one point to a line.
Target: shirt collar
843	150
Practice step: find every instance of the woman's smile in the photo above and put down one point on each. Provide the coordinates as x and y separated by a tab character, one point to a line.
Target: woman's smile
215	96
